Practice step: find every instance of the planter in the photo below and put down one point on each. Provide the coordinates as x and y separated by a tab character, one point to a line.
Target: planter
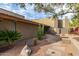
36	41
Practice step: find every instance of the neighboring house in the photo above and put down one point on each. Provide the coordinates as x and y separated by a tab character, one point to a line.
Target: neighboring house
13	21
46	21
59	26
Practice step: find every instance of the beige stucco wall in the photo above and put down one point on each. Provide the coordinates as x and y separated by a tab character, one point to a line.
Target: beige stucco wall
27	30
5	24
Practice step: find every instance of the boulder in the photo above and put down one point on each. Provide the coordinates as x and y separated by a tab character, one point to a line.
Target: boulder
26	51
30	42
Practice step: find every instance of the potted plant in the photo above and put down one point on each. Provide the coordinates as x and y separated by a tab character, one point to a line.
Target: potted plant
40	34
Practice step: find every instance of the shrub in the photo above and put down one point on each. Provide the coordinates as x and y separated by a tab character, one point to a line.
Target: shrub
40	32
9	36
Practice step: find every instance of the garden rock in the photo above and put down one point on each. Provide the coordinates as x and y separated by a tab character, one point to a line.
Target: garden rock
30	42
26	51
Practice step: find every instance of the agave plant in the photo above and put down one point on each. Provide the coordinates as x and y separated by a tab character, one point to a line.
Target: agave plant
9	36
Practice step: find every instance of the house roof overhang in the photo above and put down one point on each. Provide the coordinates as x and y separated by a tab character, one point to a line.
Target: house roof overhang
6	16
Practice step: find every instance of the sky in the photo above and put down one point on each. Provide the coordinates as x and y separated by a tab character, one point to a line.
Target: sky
29	13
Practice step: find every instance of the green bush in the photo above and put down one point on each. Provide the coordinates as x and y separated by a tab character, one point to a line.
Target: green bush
40	32
9	36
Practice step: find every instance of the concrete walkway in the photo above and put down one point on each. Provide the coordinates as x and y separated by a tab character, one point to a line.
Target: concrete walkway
54	49
43	49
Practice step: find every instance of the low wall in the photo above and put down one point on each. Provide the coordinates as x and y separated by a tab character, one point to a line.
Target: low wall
61	30
72	46
75	47
64	31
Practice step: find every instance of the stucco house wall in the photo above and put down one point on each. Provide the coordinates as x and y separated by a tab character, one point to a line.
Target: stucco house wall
27	30
5	24
12	21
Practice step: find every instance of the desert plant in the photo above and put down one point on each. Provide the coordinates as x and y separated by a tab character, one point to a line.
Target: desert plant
9	36
40	32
